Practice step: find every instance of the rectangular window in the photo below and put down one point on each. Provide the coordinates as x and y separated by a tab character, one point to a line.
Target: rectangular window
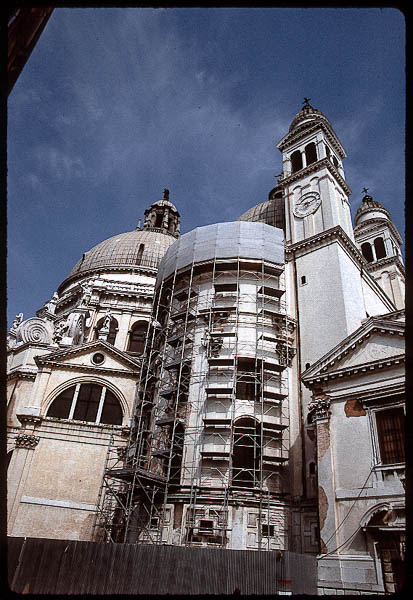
206	526
87	402
267	530
390	433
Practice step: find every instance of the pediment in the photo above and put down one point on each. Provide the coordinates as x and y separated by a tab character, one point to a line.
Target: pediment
376	343
82	357
376	347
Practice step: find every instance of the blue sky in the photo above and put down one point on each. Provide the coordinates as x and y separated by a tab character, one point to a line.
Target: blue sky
114	105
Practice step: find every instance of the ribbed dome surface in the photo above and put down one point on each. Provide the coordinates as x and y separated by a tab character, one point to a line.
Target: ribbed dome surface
270	212
131	249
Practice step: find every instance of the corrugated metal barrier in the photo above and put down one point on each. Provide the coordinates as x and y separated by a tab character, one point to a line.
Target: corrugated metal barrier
43	566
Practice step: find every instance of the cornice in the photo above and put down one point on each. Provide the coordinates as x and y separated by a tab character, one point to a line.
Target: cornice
305	129
394	315
161	229
317	240
346	372
374	225
382	262
18	374
337	232
109	269
27	345
89	369
324	162
26	418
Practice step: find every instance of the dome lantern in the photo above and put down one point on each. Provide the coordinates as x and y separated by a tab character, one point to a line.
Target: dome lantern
162	216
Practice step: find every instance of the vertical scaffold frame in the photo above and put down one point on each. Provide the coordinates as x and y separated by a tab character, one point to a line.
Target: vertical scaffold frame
219	337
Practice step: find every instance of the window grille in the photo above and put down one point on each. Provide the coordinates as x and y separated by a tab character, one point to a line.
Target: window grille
390	433
87	402
137	337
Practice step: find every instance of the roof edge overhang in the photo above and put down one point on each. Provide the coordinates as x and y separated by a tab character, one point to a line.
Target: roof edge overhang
304	130
116	268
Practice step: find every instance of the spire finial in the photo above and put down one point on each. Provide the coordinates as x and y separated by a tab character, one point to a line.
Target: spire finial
166	194
365	190
306	101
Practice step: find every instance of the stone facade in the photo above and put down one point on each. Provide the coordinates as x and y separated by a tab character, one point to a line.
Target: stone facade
90	333
90	410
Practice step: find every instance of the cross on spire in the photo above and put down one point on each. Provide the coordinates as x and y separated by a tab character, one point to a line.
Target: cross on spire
365	190
306	101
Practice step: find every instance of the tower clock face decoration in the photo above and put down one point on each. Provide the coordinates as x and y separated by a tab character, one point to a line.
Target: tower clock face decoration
307	204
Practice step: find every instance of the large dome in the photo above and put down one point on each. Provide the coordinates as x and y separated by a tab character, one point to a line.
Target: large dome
141	248
125	251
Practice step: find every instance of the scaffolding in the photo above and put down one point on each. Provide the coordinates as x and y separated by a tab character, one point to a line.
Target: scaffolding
210	426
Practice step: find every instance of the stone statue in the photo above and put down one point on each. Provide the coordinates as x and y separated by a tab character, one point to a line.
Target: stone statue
60	329
51	305
87	293
17	321
108	319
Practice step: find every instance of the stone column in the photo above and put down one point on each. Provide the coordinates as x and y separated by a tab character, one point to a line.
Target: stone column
19	469
319	409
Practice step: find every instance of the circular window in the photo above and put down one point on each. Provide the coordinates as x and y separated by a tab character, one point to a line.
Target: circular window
98	358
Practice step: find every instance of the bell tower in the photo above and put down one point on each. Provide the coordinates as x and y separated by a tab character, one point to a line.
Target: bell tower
331	290
379	242
313	179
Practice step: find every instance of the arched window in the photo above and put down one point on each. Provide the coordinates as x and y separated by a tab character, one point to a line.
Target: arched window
113	330
296	161
176	460
379	248
246	453
87	402
159	220
137	337
367	252
310	153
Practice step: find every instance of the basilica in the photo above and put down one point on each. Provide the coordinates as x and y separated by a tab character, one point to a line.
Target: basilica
240	386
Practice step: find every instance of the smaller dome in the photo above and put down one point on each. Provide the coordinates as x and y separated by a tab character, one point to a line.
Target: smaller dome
271	212
165	203
370	209
308	113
